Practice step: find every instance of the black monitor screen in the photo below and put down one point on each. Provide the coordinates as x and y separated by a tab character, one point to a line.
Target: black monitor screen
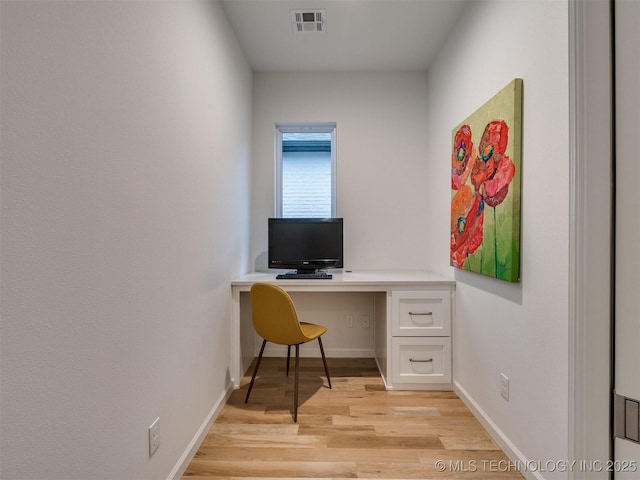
305	244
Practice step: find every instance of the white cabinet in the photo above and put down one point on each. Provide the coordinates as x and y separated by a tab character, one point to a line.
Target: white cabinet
421	313
420	340
422	360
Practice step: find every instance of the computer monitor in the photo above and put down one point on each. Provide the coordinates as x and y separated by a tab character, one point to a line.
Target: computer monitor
305	244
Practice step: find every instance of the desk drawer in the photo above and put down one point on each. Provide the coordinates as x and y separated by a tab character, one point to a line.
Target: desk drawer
421	360
421	313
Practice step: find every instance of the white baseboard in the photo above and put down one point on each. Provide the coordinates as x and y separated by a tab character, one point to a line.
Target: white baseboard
313	351
514	454
194	444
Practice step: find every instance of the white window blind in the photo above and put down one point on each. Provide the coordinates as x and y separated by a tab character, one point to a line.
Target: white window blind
305	171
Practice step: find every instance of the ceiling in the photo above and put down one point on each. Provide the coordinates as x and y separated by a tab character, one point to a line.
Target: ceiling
361	35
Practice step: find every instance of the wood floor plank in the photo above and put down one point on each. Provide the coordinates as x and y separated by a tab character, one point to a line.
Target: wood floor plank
243	429
217	468
265	440
241	454
362	455
381	420
415	471
438	430
468	442
356	429
309	409
342	440
331	428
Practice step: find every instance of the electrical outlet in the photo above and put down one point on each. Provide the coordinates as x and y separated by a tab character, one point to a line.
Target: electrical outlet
504	386
349	321
154	436
365	321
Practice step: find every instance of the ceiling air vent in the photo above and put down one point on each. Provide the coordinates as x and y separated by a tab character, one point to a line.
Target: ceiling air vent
308	21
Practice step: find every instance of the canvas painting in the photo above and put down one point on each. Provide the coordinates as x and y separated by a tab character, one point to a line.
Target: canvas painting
485	187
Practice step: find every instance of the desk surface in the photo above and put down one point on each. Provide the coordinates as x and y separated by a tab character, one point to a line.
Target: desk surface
350	279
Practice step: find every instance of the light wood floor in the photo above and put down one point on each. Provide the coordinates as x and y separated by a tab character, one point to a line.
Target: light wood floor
357	429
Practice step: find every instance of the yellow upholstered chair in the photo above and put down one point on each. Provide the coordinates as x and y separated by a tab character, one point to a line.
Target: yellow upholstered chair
275	320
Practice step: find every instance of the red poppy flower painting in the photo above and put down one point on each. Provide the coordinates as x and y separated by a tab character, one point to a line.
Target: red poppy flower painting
491	150
467	215
487	179
497	187
462	152
492	169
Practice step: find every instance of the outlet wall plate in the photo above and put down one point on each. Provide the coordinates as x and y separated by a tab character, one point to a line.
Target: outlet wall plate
154	436
349	321
504	386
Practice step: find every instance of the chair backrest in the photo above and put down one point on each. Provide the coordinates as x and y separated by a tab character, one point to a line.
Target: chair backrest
274	315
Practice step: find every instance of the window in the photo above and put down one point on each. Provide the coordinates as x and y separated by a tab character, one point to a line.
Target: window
306	170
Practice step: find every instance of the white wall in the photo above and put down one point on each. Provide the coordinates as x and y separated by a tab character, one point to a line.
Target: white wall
126	133
381	150
519	329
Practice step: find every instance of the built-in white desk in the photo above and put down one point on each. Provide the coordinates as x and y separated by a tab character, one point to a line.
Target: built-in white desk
412	322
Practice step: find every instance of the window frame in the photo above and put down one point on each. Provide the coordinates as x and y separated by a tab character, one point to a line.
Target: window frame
328	127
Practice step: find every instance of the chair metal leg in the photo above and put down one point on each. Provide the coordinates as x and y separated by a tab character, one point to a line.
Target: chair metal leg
324	360
255	371
295	391
288	358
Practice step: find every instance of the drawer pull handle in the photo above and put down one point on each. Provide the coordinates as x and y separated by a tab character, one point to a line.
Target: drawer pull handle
420	313
428	360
